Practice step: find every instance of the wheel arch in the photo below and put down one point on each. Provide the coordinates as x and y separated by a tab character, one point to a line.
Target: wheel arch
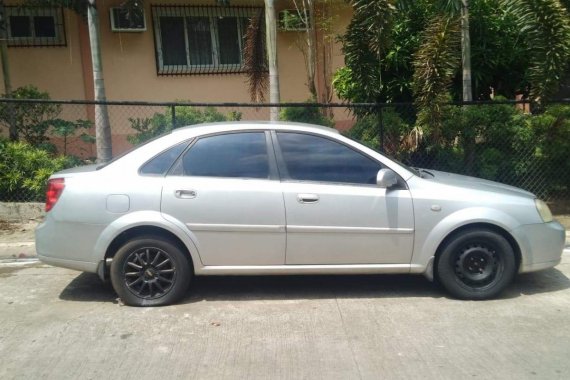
141	224
479	225
143	230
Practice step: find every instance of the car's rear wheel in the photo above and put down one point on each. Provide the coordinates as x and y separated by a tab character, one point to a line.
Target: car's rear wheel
150	271
476	264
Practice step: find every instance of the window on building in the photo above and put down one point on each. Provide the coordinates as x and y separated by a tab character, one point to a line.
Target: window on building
199	39
35	26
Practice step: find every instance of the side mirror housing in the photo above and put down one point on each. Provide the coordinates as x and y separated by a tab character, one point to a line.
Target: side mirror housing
386	178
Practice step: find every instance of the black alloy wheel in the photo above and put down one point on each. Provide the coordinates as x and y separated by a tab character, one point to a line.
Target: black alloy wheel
150	271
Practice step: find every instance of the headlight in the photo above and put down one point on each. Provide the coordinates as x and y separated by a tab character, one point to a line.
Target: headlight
543	210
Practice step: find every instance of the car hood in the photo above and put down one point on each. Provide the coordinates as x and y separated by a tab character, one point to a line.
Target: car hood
473	183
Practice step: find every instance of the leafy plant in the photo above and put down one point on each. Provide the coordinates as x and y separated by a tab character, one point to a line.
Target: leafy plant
435	63
32	120
306	114
67	129
552	144
394	129
547	29
24	170
160	123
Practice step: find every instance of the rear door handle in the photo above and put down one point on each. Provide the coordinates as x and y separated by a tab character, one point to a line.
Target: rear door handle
185	194
307	198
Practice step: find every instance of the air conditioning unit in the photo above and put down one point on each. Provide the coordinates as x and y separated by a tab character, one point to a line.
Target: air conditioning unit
291	20
127	20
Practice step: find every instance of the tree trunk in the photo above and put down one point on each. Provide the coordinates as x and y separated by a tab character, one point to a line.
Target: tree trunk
468	136
309	10
13	128
102	126
271	42
466	52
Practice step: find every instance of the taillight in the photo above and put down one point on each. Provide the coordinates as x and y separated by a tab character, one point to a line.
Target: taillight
54	189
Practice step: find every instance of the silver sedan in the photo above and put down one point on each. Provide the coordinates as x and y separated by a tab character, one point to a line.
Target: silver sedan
282	198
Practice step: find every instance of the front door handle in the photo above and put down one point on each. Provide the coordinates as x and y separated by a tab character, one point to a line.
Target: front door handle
185	194
307	198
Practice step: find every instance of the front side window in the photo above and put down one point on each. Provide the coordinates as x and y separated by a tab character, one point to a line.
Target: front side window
200	39
235	155
314	158
35	26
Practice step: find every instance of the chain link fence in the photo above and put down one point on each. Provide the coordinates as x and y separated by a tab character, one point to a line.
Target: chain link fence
500	141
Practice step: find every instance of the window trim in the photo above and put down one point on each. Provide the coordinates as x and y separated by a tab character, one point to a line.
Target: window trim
272	165
285	177
212	13
56	13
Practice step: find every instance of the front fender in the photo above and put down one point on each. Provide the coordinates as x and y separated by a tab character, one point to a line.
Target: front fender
145	218
428	240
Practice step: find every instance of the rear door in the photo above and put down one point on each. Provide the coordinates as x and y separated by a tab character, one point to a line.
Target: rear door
224	189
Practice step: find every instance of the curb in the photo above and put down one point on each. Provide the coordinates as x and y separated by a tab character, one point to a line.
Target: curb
18	262
18	244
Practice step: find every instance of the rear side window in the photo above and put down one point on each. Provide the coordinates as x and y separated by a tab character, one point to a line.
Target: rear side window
314	158
241	155
160	164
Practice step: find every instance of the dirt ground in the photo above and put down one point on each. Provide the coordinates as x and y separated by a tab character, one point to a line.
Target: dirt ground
17	232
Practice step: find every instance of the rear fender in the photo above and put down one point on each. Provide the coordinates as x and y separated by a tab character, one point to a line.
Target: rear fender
146	218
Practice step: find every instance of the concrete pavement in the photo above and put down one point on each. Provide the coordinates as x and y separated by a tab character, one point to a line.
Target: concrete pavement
61	324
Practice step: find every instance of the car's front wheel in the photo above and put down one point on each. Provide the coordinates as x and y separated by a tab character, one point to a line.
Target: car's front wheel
476	264
150	271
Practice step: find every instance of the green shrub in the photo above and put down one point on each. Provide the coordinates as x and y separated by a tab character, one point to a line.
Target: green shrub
34	121
551	131
24	170
160	123
367	130
481	140
307	114
31	119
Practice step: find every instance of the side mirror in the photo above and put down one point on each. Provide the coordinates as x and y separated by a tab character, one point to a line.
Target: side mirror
386	178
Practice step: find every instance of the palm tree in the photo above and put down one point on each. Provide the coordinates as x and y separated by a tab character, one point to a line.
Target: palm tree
271	46
545	26
13	130
102	126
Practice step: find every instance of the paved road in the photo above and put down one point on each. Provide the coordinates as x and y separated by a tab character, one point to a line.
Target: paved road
60	324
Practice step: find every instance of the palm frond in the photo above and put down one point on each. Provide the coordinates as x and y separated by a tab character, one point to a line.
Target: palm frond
435	64
366	41
255	64
546	28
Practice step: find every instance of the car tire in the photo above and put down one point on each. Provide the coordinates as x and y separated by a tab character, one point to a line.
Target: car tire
476	264
150	271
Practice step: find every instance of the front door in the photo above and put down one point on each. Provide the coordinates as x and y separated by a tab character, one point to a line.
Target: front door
335	212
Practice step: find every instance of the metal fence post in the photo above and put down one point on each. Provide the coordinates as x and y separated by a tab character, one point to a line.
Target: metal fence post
173	111
381	125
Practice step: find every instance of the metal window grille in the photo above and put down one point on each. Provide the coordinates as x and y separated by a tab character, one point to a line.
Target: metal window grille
35	26
200	39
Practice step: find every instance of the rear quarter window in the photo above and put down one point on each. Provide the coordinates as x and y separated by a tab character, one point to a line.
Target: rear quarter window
160	164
